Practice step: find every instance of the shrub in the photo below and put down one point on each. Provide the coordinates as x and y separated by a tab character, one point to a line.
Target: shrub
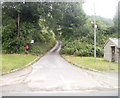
78	48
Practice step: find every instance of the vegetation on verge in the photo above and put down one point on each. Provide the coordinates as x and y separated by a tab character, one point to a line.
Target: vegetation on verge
14	61
23	22
100	64
82	43
44	22
79	40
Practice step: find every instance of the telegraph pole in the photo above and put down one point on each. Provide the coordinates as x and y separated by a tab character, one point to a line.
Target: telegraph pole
95	27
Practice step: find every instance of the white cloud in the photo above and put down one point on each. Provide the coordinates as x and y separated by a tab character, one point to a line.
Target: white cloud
104	8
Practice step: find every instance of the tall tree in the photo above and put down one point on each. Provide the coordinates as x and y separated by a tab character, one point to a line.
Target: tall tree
73	20
117	19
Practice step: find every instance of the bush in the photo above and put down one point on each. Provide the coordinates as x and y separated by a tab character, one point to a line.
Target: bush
99	52
40	48
78	48
12	43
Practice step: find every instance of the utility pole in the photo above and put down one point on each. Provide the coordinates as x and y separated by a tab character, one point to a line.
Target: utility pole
95	27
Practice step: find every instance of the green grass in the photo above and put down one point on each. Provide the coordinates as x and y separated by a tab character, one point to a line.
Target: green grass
14	61
100	63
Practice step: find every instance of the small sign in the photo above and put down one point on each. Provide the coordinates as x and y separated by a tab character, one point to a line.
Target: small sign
32	41
95	26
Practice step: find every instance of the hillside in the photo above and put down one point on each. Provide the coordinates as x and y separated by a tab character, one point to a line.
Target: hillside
45	22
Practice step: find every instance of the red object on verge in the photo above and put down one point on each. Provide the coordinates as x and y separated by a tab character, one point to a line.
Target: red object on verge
26	47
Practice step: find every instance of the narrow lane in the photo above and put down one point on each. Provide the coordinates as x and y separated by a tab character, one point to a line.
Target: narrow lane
53	73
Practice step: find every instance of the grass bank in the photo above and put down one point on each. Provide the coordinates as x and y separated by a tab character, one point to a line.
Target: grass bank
18	61
14	61
100	64
41	48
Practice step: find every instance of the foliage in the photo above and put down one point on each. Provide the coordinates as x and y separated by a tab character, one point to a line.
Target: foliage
79	48
105	21
32	26
73	20
44	22
41	48
116	20
80	41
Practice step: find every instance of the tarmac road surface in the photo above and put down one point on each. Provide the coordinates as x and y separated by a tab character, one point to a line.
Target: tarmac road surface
53	74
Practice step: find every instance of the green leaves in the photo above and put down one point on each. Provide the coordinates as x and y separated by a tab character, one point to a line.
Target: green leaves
45	21
30	26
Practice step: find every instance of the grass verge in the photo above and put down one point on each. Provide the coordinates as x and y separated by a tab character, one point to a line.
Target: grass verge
14	61
88	62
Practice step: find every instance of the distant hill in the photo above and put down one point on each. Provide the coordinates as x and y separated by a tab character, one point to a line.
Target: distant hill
106	21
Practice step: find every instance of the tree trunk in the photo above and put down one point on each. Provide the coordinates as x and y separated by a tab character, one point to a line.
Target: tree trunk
18	25
18	32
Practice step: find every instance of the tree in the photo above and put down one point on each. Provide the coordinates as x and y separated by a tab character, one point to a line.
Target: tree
117	20
73	20
21	24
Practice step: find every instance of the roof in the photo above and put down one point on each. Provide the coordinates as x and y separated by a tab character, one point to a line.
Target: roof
115	41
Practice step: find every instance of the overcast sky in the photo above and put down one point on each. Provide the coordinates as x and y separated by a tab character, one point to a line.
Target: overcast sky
104	8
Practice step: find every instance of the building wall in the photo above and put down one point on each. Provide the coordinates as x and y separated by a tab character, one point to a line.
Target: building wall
108	53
